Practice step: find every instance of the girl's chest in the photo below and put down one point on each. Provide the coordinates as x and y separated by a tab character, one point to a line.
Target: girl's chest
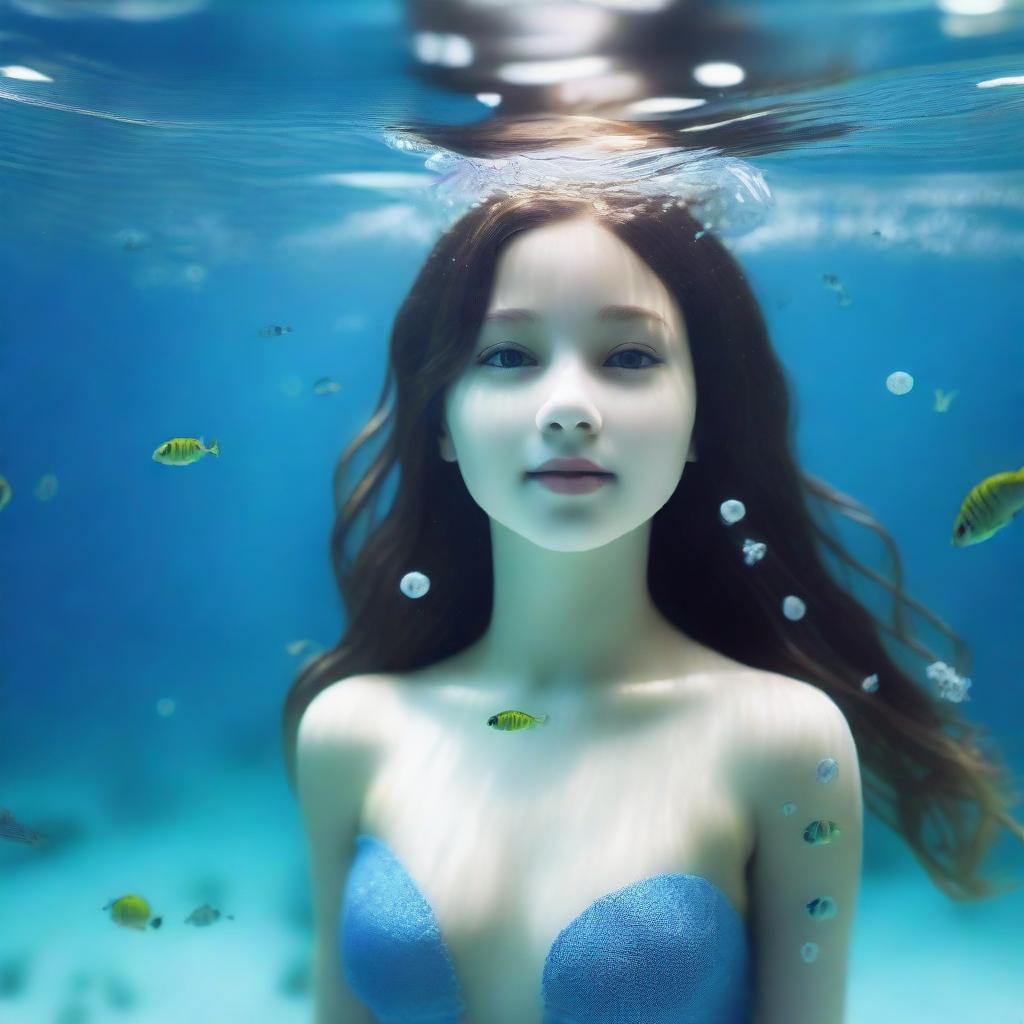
511	837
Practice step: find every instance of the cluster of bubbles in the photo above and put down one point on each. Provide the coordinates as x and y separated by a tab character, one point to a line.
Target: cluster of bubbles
731	512
753	551
730	193
952	686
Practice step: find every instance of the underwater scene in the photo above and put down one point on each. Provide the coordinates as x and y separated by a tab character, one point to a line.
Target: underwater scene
509	511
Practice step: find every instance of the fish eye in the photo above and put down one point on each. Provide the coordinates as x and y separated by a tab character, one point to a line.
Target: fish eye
961	530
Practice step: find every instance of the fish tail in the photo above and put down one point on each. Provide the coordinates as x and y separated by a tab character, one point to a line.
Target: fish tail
543	719
214	448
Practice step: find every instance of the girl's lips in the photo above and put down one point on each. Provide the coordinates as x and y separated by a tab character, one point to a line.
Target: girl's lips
571	483
575	465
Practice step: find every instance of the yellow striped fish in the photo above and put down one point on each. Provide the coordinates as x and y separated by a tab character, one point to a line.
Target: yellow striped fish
182	451
513	721
989	507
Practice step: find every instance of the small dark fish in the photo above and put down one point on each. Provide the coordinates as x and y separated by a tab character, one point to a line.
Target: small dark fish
513	721
131	239
205	915
11	829
275	331
326	386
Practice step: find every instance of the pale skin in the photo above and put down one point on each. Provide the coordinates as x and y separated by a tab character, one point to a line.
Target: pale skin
661	755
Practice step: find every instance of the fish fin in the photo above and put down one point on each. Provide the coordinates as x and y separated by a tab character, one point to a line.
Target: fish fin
214	448
544	719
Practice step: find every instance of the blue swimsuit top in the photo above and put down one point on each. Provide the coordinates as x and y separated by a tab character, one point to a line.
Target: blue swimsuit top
665	949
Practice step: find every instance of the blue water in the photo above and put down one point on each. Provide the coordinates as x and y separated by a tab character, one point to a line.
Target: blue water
200	138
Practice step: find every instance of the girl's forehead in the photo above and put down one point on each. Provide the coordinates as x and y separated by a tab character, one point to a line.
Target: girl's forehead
563	269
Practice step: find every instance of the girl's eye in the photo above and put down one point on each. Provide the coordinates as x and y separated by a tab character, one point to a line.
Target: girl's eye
506	350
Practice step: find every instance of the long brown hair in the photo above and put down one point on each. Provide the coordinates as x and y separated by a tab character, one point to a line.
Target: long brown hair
922	762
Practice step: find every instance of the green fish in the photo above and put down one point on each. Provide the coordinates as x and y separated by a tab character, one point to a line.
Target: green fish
821	833
988	507
513	721
6	491
131	912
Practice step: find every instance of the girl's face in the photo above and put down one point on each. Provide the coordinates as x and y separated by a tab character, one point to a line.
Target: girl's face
581	373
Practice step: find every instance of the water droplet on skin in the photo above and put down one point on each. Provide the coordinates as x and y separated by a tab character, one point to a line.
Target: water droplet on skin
809	951
827	770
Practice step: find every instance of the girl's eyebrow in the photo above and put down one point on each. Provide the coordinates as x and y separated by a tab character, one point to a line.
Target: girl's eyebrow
607	313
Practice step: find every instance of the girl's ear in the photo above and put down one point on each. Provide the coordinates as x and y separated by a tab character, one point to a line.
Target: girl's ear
445	446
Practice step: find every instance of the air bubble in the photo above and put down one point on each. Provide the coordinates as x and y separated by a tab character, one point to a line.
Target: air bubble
414	584
732	511
899	383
